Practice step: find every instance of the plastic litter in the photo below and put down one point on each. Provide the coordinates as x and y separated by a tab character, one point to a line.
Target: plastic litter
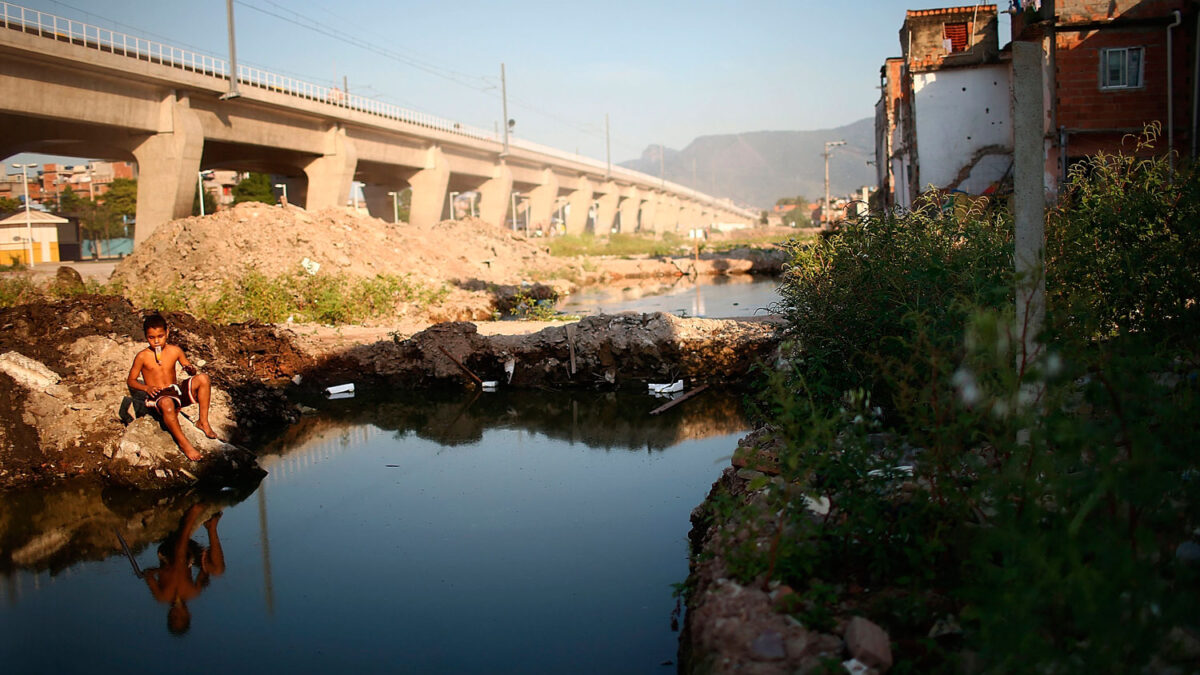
489	385
310	266
335	397
340	389
667	388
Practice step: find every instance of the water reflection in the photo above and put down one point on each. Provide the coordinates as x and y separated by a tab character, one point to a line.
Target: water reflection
172	582
738	295
531	532
607	420
49	530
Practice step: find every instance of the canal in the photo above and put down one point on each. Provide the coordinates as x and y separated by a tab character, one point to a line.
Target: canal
502	533
714	297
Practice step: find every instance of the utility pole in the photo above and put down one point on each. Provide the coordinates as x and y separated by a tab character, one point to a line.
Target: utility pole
607	148
504	102
233	68
28	221
829	145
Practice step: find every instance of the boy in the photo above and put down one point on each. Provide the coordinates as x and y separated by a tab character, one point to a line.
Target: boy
156	366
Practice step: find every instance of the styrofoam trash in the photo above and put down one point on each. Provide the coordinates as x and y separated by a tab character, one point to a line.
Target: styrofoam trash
340	389
666	388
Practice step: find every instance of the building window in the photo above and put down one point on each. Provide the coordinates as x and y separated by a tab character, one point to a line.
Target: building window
1121	68
954	37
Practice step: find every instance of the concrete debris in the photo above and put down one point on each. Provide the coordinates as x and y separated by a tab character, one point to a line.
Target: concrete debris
27	372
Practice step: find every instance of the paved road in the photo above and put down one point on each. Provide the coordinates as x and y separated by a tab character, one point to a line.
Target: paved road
90	270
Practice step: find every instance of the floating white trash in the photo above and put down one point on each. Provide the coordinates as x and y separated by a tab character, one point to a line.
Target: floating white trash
667	388
489	385
340	389
335	397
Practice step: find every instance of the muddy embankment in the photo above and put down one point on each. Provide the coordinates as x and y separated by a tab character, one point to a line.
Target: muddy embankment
65	411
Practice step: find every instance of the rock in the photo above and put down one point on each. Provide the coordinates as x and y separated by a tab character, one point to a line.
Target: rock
768	646
68	279
27	372
868	643
1188	552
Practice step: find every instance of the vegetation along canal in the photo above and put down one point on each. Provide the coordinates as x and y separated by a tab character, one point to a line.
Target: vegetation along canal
523	532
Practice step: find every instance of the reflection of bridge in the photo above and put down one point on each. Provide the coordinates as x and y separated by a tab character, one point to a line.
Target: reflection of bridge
73	89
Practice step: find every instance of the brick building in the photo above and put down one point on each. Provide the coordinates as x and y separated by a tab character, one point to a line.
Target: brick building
944	118
1108	65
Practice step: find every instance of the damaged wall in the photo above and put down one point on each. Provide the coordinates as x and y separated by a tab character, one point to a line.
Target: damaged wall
960	112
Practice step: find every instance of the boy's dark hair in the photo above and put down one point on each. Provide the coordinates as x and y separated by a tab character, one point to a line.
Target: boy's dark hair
154	321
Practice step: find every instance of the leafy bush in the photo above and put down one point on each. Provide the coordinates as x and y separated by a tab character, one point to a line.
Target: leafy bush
1045	505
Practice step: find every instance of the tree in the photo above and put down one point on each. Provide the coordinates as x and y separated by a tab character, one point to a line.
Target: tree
9	204
405	205
121	197
210	202
69	201
255	187
99	222
799	216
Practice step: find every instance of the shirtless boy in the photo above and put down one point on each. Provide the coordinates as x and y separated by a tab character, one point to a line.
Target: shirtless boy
156	366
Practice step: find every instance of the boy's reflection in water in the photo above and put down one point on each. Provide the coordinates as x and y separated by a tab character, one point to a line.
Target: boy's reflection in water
172	581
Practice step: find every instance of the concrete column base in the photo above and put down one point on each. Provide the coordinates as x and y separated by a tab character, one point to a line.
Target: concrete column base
330	175
580	202
542	201
167	165
606	212
429	187
495	195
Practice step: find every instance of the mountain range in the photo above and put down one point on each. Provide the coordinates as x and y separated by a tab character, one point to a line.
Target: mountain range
758	167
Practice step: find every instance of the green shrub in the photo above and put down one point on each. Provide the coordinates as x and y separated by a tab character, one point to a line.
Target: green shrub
1045	505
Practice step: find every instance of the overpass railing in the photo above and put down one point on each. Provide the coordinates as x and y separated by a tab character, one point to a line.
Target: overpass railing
50	26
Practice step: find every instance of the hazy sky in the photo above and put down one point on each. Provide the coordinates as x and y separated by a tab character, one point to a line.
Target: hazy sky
663	72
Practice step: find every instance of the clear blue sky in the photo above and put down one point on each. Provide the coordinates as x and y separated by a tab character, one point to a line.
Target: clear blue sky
664	72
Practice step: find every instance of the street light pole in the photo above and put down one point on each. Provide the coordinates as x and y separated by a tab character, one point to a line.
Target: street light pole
829	145
200	187
28	220
395	206
514	212
504	122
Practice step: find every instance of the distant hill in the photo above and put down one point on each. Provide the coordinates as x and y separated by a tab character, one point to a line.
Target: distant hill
759	167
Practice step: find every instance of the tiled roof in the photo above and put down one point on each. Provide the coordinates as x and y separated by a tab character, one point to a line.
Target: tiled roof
951	10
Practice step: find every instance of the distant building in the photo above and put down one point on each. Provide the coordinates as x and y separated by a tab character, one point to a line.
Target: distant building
14	237
90	180
944	118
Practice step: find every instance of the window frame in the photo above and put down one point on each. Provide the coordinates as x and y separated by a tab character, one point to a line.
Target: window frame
1105	85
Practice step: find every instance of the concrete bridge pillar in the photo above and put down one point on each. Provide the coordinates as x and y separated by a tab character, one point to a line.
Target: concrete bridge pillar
330	175
669	215
429	188
542	202
650	213
628	209
167	165
606	212
495	195
580	202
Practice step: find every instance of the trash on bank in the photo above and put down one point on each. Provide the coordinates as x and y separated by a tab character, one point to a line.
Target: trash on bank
310	266
666	389
489	385
340	389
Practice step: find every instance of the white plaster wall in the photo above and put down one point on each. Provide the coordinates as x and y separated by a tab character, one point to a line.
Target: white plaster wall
959	111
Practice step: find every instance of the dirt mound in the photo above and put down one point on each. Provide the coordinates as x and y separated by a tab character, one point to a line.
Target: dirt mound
201	252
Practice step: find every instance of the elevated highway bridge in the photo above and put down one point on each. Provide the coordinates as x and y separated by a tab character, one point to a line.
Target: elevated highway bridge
70	88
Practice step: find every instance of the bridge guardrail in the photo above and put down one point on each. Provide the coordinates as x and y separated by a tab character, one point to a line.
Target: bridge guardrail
50	26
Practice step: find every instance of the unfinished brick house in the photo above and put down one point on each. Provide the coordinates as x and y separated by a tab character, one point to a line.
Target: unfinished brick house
944	119
1112	67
